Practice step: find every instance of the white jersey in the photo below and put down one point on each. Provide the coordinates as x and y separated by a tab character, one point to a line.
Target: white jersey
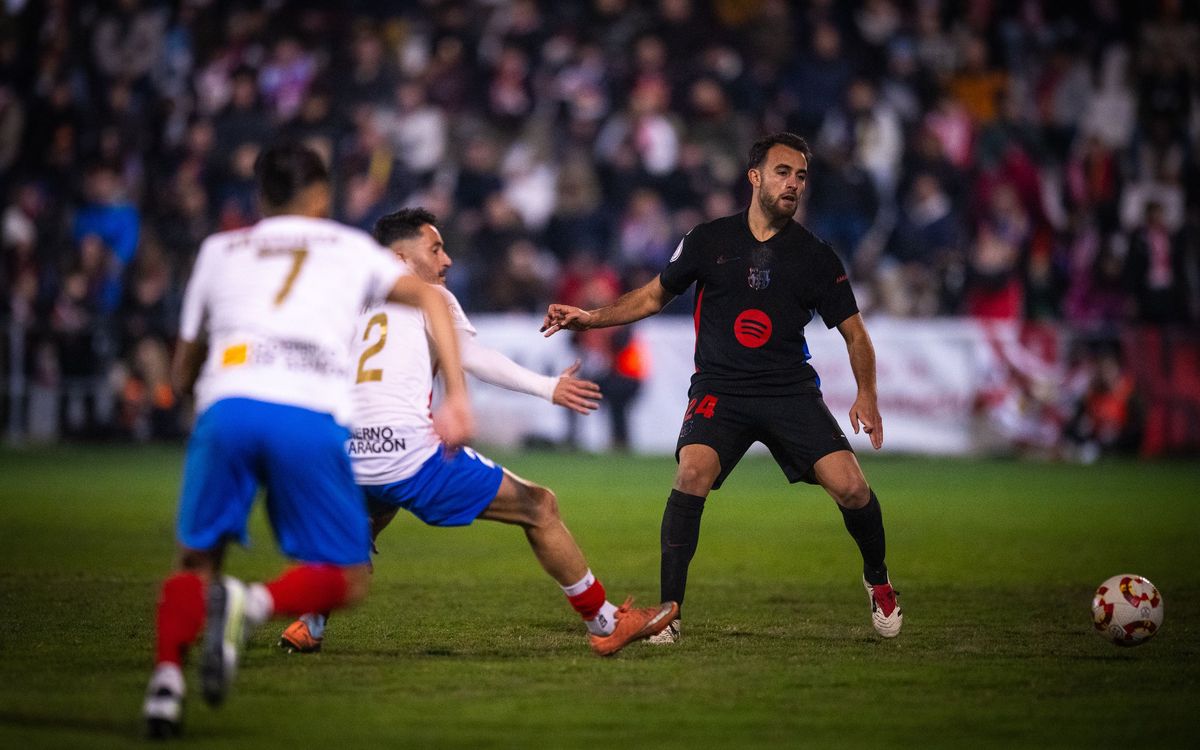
278	304
393	391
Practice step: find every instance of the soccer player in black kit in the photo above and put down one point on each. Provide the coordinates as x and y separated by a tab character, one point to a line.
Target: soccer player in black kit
759	276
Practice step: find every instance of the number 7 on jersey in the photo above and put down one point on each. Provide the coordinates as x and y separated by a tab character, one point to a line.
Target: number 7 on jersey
299	255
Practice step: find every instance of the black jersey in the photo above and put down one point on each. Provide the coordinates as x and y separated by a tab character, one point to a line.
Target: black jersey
753	300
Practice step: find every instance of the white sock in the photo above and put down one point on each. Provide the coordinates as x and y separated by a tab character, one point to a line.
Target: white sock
580	586
168	675
315	623
605	620
260	605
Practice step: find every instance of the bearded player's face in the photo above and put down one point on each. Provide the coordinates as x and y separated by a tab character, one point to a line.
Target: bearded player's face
425	254
782	178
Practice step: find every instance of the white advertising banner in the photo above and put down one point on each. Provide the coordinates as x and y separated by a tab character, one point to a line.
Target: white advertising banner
928	380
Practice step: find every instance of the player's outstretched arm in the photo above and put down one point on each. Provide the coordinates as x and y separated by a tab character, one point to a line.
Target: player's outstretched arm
453	420
493	367
631	306
187	364
862	361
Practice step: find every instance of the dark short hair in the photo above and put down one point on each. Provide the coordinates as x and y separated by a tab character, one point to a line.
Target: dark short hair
284	169
402	225
759	150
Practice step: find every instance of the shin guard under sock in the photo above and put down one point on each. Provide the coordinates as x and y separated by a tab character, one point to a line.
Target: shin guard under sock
865	524
679	536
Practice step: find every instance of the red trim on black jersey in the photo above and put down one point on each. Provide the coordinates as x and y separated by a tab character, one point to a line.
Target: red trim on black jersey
696	318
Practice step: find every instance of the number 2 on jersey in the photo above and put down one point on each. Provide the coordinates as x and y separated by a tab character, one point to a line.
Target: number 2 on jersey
705	407
365	375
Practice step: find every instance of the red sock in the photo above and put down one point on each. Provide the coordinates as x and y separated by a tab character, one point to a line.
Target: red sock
179	617
588	603
309	588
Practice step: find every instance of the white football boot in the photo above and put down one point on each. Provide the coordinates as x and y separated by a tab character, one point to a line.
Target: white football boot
224	635
669	634
886	615
163	707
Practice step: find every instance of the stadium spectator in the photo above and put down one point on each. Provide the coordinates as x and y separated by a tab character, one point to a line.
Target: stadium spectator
869	131
977	85
128	39
1154	271
817	80
285	78
993	286
1095	295
925	250
578	224
521	280
369	79
1108	417
645	233
1093	180
417	130
12	122
1111	113
106	217
844	205
612	357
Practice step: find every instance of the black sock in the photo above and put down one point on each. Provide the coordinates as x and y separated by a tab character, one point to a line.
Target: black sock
680	534
865	524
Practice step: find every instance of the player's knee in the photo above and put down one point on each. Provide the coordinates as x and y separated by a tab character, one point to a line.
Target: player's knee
695	478
853	493
542	509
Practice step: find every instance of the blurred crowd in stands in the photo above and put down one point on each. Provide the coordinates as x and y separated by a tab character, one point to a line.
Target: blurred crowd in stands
990	158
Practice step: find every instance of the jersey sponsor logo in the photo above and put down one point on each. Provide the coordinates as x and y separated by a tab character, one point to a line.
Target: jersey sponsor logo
678	251
373	441
291	355
235	355
752	328
759	278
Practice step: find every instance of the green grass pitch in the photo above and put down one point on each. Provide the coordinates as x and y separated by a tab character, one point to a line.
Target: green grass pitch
466	643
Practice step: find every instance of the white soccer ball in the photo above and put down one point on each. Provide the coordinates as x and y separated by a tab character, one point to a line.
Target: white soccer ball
1127	610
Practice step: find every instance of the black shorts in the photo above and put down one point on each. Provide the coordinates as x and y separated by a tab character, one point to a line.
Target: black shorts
798	430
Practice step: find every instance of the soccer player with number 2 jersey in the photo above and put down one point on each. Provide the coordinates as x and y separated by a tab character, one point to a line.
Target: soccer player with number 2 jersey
400	462
759	275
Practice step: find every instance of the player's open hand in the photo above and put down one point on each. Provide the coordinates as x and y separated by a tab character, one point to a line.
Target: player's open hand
454	422
564	317
866	411
576	394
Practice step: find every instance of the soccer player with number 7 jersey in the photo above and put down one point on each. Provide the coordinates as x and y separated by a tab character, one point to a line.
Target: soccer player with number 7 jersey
400	461
265	334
